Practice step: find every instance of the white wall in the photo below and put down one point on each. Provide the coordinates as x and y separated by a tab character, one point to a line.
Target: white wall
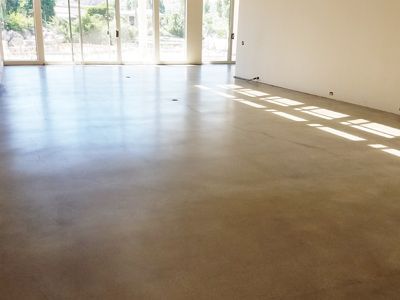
350	47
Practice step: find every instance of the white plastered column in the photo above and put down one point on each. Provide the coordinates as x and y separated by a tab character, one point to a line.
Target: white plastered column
194	34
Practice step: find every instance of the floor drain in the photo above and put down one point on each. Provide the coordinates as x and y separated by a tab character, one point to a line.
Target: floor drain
175	99
128	77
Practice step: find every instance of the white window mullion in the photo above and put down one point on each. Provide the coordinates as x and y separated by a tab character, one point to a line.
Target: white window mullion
194	31
70	31
118	30
156	30
80	32
37	16
231	26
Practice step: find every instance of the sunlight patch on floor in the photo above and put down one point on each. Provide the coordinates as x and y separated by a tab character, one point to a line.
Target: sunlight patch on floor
326	114
377	146
392	151
230	86
251	93
342	134
284	102
290	117
249	103
374	128
202	87
225	95
322	113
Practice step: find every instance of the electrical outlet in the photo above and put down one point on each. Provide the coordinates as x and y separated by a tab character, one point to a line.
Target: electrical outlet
331	94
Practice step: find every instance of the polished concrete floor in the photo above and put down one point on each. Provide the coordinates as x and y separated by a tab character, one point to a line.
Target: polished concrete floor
112	190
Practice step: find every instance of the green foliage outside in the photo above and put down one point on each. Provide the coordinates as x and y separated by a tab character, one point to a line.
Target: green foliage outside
61	26
216	18
162	7
19	17
99	11
47	9
172	23
93	21
18	22
223	8
19	14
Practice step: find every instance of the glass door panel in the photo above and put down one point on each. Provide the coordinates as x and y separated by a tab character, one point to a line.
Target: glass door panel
57	30
137	37
18	35
216	32
98	31
172	30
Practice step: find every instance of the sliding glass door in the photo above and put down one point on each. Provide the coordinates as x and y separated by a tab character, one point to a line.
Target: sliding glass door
219	29
81	31
59	23
98	31
172	30
113	31
216	31
137	34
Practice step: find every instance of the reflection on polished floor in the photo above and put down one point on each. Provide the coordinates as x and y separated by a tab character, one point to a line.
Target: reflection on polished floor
112	190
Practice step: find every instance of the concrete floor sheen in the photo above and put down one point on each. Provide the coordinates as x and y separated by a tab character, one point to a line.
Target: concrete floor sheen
111	190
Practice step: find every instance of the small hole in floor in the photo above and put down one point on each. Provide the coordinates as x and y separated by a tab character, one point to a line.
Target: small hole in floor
175	99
